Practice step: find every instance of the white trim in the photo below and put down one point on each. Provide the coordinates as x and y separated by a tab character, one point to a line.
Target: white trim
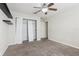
65	43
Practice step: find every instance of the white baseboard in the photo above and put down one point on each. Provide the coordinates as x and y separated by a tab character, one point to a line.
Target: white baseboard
65	43
3	51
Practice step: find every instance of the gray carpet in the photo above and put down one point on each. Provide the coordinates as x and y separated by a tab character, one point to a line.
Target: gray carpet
41	48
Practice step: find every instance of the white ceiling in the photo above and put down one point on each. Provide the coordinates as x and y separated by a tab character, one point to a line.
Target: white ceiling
27	8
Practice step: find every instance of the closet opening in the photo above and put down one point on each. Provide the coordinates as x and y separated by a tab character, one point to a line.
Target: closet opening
29	30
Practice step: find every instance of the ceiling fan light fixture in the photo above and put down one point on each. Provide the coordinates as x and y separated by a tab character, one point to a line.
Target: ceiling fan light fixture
44	10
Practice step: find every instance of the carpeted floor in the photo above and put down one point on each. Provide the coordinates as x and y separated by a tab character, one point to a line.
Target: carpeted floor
41	48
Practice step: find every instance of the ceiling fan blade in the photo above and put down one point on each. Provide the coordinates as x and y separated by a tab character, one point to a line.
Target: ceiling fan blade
50	4
36	7
37	11
53	9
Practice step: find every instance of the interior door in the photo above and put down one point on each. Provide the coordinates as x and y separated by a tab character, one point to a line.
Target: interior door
31	30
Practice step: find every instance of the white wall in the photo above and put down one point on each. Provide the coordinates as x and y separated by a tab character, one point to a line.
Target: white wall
64	27
3	33
19	31
20	17
12	33
43	29
7	33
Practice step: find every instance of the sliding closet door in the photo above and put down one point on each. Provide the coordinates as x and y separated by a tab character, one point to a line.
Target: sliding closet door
24	30
31	30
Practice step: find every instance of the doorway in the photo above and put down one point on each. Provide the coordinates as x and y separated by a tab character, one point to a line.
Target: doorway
29	30
46	30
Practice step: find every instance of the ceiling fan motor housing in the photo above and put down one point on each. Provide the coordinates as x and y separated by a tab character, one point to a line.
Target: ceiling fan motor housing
45	13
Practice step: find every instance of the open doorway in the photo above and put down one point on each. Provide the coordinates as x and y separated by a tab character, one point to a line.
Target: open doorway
46	30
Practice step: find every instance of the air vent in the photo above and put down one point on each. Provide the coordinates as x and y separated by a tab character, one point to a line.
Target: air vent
8	22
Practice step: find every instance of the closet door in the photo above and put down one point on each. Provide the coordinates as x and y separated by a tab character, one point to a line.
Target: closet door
24	30
31	30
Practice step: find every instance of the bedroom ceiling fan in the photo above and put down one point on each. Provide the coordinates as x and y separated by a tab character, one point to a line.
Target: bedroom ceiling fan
45	7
